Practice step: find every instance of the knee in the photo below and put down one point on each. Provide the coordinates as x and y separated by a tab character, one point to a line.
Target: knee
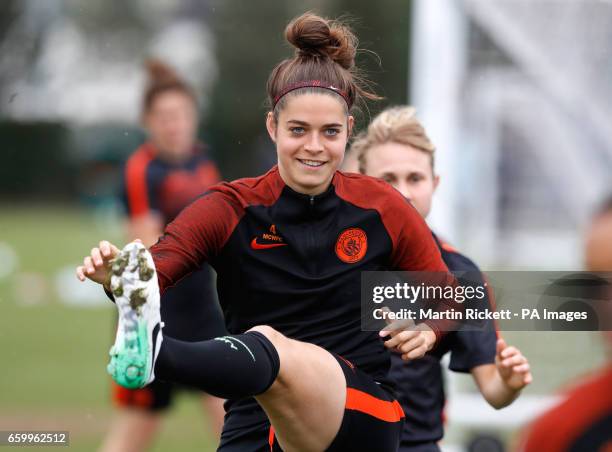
285	347
282	345
275	337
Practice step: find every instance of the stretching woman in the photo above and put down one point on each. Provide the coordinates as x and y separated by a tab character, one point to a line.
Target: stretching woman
288	248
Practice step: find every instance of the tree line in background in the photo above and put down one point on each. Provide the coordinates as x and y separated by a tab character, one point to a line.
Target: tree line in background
43	160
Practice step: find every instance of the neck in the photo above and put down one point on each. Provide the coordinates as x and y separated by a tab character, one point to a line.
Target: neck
171	156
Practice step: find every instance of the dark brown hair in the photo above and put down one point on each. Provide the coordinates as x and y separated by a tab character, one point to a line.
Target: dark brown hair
161	79
325	51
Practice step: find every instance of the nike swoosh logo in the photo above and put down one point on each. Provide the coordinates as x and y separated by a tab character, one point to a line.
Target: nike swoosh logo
264	246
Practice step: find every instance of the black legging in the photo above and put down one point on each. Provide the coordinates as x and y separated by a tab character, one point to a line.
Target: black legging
230	367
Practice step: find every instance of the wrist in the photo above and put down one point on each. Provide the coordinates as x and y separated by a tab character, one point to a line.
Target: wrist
431	335
506	383
107	284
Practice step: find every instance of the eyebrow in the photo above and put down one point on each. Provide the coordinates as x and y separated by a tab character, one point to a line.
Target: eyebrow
303	123
391	174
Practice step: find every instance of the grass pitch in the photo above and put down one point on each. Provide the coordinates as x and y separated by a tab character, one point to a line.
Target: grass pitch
54	355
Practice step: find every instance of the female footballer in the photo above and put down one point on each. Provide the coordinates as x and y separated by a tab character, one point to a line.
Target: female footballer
396	148
288	248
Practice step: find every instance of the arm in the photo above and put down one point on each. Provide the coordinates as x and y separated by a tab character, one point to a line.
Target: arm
501	383
197	235
414	249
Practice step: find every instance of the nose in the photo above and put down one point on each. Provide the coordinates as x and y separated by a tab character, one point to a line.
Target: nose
313	144
404	189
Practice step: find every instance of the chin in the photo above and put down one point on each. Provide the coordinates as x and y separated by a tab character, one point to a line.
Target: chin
310	185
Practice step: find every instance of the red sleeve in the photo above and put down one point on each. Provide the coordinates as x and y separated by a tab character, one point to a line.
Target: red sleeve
414	249
583	407
198	234
136	188
539	436
203	228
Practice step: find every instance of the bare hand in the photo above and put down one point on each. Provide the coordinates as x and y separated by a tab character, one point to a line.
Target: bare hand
412	341
512	366
97	266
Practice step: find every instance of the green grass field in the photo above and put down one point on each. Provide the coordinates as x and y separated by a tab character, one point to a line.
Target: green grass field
54	356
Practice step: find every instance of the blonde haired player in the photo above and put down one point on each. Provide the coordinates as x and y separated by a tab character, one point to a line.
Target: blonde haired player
396	149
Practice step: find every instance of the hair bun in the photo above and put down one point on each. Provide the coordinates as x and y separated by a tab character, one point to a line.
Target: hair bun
160	73
314	36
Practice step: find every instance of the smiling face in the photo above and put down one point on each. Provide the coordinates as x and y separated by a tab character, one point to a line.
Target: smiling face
310	135
407	169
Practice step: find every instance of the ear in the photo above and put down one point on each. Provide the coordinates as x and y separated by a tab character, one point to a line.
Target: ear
350	123
436	181
271	126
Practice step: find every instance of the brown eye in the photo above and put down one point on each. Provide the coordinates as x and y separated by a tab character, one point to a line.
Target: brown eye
415	178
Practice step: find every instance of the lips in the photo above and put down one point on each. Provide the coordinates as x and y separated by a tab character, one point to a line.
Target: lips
311	163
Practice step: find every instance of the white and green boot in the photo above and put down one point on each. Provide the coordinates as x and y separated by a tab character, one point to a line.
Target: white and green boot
136	291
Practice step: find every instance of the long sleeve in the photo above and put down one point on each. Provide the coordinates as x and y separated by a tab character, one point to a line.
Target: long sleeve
197	235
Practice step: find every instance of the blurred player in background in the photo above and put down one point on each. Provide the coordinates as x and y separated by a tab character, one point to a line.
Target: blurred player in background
396	149
583	420
161	177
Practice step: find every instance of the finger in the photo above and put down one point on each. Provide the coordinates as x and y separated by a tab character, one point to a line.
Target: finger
511	354
509	351
400	338
88	264
96	257
514	361
403	324
521	368
394	339
105	248
412	344
528	378
500	346
385	332
79	273
395	325
416	353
